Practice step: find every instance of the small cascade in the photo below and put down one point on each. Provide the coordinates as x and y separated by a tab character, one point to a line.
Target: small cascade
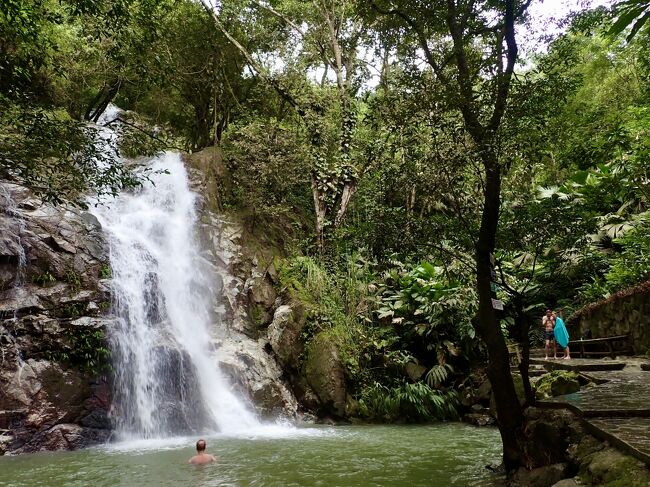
167	381
8	206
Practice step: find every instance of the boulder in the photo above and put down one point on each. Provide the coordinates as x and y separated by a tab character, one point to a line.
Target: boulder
566	483
257	376
549	435
326	375
479	419
414	371
600	464
540	477
557	383
610	465
284	335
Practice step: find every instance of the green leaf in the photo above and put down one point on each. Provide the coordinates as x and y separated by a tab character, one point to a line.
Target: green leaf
628	12
637	26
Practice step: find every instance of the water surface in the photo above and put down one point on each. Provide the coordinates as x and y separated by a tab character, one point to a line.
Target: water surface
451	454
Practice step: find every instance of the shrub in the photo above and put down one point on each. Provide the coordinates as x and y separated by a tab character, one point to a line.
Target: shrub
410	402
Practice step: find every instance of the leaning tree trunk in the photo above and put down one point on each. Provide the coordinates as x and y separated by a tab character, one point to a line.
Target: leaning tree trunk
101	101
509	413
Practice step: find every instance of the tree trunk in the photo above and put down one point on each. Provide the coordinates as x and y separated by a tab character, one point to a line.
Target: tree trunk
102	100
321	214
522	323
202	136
348	191
509	413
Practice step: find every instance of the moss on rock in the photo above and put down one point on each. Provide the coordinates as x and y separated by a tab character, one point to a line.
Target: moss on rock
326	373
611	468
557	383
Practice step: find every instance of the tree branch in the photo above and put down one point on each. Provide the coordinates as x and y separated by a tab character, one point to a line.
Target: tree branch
422	38
132	125
257	67
466	99
281	16
503	81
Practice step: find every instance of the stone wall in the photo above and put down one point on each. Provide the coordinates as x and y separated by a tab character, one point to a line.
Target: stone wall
626	312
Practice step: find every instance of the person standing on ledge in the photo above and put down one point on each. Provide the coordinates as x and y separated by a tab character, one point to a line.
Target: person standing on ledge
548	322
201	456
561	334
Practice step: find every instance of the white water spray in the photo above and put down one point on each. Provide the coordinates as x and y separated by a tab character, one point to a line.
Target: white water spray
166	373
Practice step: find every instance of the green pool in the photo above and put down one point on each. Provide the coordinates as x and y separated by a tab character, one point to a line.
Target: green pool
435	455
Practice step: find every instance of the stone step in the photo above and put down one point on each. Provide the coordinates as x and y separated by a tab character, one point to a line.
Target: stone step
579	364
632	435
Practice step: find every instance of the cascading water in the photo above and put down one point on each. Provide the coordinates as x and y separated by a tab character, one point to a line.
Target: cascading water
167	381
8	206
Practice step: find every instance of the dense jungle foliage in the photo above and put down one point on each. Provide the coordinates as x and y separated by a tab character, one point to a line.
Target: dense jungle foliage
347	127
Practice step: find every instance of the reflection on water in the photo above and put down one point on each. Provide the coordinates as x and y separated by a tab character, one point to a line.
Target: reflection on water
438	455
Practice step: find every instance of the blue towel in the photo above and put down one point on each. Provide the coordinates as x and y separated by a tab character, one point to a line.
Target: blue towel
561	333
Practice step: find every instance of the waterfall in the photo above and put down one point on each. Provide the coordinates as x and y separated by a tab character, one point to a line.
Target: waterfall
167	381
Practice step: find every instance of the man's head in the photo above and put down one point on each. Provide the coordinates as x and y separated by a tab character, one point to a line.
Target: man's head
548	313
200	445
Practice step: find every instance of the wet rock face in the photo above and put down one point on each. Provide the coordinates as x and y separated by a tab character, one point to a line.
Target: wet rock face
180	409
43	402
52	305
258	377
240	343
243	276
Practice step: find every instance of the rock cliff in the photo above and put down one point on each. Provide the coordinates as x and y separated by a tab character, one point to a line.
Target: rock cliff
273	370
54	393
248	297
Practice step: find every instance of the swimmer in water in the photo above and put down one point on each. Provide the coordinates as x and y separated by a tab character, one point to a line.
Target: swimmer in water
201	456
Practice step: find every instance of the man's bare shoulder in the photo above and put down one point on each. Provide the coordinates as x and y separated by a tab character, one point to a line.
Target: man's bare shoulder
201	459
